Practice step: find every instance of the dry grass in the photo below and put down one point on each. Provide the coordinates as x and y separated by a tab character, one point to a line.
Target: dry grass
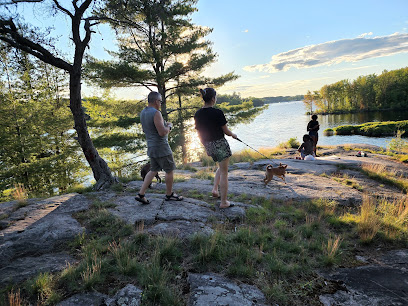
139	226
246	155
249	155
92	271
368	220
310	219
385	216
377	168
382	174
14	298
332	248
20	193
205	174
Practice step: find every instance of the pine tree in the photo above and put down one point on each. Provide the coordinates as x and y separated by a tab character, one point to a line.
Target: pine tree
159	48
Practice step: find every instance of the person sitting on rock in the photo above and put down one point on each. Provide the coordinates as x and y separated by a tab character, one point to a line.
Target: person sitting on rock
306	148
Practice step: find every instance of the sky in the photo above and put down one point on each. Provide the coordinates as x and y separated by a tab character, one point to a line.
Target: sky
282	48
285	48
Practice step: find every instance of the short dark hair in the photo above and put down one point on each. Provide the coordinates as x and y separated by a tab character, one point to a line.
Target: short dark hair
208	94
314	117
153	96
306	137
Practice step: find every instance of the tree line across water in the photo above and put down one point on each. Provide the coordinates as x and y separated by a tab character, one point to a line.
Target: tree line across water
387	91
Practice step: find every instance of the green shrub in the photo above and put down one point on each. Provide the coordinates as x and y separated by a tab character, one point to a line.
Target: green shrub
345	130
292	143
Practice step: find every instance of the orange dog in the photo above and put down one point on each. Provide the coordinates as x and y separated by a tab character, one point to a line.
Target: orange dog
278	171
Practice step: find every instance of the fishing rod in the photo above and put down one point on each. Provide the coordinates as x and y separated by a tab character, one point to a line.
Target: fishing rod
252	148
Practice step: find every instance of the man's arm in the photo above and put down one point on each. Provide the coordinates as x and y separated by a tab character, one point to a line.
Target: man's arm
159	124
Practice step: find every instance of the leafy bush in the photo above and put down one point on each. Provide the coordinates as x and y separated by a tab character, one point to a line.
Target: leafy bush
398	144
292	143
374	129
345	130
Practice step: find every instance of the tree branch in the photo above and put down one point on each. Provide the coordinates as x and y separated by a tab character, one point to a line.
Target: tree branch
88	32
19	1
63	9
183	108
9	33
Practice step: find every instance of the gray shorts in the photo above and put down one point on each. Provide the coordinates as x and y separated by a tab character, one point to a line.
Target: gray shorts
165	163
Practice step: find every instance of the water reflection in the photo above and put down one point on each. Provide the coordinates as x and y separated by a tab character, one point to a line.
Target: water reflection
193	143
358	118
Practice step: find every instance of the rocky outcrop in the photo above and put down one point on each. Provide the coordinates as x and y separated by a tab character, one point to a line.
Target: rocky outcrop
88	299
213	289
32	233
174	218
27	246
129	296
384	281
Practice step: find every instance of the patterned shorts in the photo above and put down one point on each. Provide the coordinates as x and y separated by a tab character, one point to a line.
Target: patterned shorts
218	149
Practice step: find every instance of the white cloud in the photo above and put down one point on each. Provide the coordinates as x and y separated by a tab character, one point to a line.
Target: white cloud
334	52
365	34
245	31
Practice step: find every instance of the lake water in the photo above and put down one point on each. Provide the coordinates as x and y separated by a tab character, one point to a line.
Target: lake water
282	121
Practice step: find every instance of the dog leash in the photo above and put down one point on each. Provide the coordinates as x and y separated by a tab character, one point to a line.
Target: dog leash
252	148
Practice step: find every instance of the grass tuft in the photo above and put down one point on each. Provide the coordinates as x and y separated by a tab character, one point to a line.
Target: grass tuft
14	298
381	174
20	195
204	175
292	143
331	250
92	273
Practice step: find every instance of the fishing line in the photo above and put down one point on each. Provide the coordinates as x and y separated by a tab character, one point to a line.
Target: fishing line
252	148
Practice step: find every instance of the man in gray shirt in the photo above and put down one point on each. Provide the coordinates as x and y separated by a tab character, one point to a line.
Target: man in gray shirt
158	149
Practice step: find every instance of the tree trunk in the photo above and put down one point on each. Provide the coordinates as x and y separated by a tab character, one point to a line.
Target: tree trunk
182	133
162	91
100	169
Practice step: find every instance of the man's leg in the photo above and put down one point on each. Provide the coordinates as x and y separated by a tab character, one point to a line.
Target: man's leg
169	182
147	181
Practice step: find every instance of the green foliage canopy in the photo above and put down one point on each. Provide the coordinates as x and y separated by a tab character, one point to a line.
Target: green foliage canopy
389	90
37	148
159	47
